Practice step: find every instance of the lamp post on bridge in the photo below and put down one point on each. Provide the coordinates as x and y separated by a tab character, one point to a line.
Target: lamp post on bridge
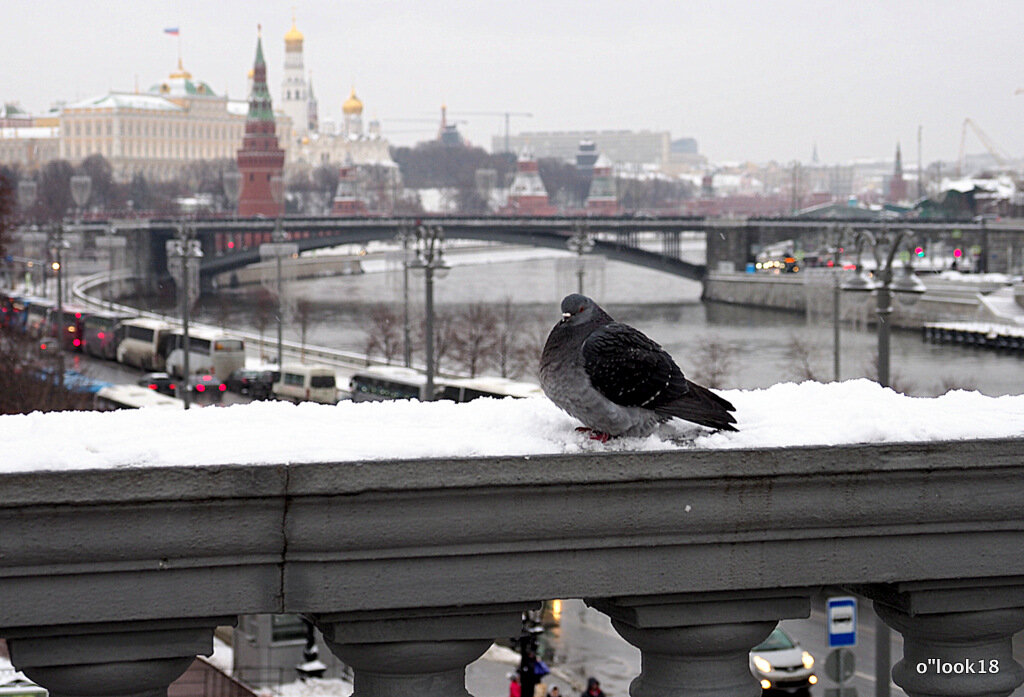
430	260
908	287
581	242
27	191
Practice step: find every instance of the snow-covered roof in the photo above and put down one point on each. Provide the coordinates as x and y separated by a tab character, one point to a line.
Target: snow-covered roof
787	414
238	107
122	100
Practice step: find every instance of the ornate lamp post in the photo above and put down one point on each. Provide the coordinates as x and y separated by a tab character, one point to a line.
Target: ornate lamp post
580	242
277	249
885	246
232	182
180	253
430	260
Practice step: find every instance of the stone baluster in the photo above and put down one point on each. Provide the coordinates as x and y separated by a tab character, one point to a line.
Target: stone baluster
416	652
131	659
699	644
956	654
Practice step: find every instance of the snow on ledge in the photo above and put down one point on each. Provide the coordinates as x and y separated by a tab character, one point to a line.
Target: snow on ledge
787	414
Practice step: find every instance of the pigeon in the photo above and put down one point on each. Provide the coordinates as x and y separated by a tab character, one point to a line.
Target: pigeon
617	381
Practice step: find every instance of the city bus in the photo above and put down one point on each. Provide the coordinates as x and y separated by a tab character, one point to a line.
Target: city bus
212	352
141	342
132	397
99	334
392	382
67	327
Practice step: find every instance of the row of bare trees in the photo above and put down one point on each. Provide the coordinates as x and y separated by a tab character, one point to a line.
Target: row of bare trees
478	338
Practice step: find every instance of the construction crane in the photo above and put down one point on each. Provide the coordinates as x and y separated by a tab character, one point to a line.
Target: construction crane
506	114
997	153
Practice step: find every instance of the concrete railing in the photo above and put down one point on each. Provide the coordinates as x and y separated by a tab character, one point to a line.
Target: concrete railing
111	581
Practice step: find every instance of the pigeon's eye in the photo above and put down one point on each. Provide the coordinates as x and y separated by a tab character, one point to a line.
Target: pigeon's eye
580	310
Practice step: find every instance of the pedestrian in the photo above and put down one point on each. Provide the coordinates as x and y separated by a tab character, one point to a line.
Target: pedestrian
514	688
593	689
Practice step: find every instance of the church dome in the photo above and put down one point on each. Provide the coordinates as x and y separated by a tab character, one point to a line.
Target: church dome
294	36
352	105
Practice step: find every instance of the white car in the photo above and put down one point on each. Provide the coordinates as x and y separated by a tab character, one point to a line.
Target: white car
781	665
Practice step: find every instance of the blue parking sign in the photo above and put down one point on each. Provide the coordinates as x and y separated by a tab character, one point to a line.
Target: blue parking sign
842	622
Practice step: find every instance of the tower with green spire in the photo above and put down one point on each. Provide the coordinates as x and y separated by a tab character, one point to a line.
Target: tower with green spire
260	157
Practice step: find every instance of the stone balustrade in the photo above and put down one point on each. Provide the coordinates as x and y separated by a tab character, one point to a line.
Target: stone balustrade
111	581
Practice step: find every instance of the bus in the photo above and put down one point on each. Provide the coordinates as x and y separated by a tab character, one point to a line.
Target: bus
37	311
140	343
133	397
99	334
392	382
306	383
212	352
67	327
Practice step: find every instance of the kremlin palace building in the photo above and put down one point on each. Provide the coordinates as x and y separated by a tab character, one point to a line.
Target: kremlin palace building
181	119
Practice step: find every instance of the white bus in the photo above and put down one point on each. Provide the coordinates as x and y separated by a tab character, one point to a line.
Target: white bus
392	382
212	352
133	397
141	343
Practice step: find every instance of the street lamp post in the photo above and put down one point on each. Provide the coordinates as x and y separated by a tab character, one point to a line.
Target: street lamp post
837	270
885	246
27	190
430	260
81	188
278	248
580	242
182	250
407	238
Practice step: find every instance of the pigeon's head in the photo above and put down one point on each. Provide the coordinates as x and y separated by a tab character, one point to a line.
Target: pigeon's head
579	309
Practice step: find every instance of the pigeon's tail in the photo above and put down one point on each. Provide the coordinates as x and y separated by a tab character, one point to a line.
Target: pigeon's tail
701	406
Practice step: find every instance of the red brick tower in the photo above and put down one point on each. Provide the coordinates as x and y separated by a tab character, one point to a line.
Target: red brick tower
527	195
260	158
897	185
349	199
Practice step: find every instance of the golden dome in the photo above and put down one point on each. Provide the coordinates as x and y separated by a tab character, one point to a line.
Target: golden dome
181	72
294	36
352	105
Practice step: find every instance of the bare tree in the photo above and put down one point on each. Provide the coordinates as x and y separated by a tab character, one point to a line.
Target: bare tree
26	382
897	380
713	362
384	332
444	335
802	353
948	383
474	339
533	333
507	333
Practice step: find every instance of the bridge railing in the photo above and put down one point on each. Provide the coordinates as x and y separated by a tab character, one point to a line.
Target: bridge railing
111	581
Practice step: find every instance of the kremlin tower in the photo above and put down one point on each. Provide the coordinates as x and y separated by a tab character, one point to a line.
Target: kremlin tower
348	198
260	158
897	185
527	195
601	200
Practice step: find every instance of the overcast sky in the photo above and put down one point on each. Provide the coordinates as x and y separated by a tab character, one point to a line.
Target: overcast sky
757	80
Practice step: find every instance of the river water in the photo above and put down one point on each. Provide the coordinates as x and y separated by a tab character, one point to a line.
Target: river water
759	345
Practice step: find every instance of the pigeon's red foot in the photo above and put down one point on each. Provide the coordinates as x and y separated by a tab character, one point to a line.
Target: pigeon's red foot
594	435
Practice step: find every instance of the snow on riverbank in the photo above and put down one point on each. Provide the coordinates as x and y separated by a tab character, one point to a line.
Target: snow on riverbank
856	411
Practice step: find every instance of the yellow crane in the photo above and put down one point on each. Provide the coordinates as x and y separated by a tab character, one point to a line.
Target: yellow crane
997	153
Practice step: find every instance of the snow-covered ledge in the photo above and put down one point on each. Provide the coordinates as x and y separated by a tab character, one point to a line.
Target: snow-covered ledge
112	578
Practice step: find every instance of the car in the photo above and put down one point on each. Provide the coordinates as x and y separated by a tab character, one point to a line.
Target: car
204	388
161	382
255	382
782	666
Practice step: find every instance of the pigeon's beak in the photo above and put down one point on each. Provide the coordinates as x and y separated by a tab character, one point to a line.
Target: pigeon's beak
566	316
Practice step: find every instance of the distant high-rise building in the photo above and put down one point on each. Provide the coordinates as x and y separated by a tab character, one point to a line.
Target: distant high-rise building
295	93
622	147
260	157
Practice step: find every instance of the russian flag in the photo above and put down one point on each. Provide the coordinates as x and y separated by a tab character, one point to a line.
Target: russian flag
173	31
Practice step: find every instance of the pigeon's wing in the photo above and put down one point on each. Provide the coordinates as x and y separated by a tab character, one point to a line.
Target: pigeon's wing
630	369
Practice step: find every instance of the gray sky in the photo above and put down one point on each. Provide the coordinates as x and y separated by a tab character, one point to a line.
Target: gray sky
756	80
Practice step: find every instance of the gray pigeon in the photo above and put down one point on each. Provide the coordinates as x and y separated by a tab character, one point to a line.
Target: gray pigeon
617	381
